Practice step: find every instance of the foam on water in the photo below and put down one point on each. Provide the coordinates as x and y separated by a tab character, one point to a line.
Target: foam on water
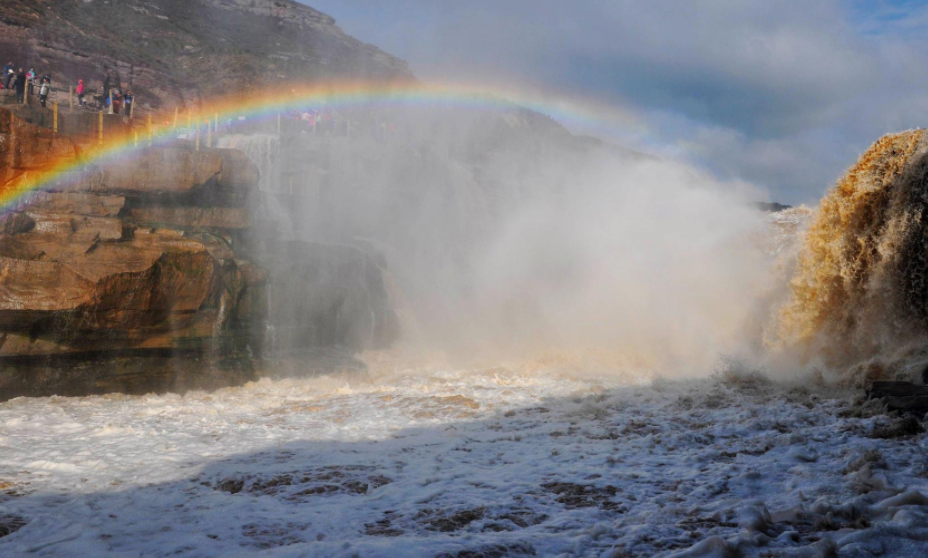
418	459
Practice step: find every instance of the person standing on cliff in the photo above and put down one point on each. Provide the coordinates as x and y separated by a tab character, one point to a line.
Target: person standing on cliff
30	81
20	85
127	102
9	72
80	92
117	101
44	90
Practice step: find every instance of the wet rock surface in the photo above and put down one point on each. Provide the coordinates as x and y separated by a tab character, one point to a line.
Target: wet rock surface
9	524
299	486
905	397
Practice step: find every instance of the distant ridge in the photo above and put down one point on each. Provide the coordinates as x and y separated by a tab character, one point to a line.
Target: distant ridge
172	52
771	207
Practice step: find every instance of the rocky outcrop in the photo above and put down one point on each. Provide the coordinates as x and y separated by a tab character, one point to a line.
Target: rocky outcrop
143	273
173	52
127	259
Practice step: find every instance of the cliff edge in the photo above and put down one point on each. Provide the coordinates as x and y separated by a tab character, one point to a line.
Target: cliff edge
172	52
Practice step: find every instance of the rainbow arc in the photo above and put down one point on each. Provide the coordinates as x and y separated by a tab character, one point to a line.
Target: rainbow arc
575	113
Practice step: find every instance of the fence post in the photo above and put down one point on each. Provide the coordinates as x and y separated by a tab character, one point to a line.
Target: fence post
175	118
100	129
111	100
189	127
209	135
198	136
149	129
216	123
55	117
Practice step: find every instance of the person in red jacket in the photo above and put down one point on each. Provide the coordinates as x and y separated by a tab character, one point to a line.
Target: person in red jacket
80	92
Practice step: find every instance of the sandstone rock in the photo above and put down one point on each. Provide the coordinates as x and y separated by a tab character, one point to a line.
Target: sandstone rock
154	292
159	171
78	203
149	273
219	245
27	152
28	147
31	287
162	175
193	217
80	227
130	274
123	275
15	222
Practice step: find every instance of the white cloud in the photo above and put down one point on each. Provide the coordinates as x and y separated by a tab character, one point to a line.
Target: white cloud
782	93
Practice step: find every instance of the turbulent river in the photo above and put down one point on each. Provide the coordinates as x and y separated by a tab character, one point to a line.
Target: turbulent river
423	460
553	456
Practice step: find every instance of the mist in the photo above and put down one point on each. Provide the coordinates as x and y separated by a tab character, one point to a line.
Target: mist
504	237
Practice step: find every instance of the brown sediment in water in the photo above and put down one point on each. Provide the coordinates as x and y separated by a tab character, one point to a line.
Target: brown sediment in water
861	285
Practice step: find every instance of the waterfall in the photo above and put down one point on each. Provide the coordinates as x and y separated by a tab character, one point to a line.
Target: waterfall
861	286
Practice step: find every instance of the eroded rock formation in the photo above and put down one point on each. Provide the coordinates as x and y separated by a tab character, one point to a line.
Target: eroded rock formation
136	274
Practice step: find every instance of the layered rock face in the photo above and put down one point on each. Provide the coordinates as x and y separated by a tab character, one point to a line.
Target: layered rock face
172	52
135	275
133	258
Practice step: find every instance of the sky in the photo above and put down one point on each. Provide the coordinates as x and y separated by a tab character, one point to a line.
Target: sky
784	95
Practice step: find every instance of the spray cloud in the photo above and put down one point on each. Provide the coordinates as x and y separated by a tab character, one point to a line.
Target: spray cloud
508	237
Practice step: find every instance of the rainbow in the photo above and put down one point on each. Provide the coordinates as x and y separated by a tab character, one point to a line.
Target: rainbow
578	114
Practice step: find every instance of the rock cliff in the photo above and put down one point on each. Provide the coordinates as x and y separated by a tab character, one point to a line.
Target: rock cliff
136	274
175	51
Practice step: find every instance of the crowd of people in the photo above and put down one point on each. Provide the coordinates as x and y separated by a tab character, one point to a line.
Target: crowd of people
25	83
316	120
117	101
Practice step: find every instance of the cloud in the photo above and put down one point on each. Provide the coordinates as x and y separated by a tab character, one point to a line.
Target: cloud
783	93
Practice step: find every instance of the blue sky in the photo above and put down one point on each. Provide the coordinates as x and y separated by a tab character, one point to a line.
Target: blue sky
783	94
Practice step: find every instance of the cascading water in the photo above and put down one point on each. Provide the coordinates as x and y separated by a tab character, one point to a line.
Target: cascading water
860	292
